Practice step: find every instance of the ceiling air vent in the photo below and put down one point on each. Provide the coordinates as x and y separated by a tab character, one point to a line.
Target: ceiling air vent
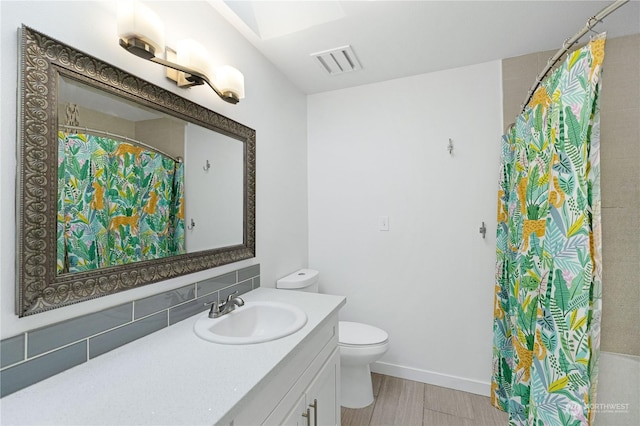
338	61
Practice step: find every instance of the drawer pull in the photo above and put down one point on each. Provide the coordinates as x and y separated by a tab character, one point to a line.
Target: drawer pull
308	416
315	412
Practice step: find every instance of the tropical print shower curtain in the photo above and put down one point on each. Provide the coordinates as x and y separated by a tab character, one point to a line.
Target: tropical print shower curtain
117	203
548	271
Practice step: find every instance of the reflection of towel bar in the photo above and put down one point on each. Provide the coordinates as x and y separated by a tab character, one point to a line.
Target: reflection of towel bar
192	225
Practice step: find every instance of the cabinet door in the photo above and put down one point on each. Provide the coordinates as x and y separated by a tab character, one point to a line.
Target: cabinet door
295	416
323	393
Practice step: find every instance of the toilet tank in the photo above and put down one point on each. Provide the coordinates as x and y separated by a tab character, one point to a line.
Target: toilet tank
301	280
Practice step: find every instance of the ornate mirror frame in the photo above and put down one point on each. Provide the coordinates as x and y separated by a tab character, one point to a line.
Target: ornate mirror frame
39	287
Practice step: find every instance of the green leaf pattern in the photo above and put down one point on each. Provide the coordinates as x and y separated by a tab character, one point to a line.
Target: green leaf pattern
117	203
548	270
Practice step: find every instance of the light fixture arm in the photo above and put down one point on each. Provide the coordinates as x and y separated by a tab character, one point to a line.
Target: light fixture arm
143	50
197	78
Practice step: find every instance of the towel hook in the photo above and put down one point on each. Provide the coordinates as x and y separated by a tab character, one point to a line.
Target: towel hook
483	230
450	147
207	166
192	225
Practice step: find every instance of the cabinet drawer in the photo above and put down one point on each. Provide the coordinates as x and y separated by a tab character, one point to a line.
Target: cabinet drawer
275	396
312	383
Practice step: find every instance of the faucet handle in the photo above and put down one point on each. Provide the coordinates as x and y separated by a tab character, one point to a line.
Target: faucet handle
214	307
231	296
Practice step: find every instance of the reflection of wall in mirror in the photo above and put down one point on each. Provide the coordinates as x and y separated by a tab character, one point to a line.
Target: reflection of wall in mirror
213	197
165	134
93	119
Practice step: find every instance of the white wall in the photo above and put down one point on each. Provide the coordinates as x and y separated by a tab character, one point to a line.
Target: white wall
381	150
273	107
218	215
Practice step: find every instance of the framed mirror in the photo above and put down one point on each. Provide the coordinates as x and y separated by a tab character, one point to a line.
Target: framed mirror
120	183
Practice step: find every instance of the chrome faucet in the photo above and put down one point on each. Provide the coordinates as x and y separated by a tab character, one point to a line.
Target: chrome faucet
218	310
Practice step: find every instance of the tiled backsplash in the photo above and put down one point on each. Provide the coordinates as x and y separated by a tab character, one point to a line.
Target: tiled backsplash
41	353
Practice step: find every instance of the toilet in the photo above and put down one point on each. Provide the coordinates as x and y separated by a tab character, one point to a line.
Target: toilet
360	345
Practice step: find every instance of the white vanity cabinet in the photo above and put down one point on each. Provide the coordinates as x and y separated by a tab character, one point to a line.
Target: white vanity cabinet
324	395
306	390
319	404
294	418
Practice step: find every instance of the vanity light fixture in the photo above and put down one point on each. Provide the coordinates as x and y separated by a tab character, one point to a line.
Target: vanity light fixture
141	32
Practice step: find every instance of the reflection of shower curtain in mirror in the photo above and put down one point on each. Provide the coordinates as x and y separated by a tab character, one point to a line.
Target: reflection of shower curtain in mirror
548	272
117	203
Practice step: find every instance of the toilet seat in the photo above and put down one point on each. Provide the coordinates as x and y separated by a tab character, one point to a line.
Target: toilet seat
359	345
356	334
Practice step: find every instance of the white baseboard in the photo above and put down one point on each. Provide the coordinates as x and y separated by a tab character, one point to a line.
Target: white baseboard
433	378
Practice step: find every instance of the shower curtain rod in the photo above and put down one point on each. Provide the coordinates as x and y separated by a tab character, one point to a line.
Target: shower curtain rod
592	22
124	138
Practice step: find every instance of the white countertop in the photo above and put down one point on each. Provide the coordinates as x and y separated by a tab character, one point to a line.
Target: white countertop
168	377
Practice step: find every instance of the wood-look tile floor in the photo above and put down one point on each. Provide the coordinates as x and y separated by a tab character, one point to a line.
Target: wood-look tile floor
408	403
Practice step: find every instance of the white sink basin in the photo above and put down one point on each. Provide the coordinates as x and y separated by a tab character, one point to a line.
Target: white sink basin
255	322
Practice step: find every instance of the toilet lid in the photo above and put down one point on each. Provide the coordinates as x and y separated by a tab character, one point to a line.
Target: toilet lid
355	333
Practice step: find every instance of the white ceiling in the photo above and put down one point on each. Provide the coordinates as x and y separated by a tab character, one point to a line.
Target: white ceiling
397	38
